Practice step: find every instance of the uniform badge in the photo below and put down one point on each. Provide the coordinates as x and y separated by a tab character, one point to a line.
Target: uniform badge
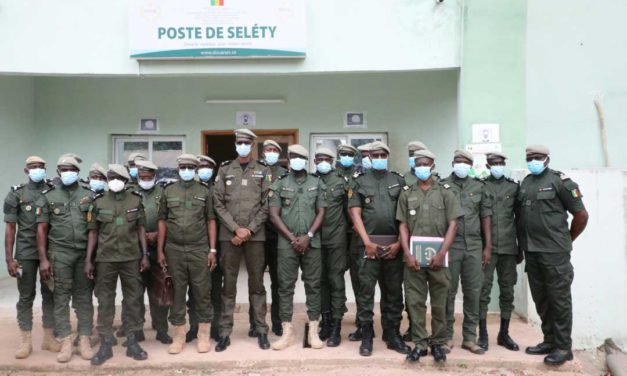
89	216
367	200
271	194
287	201
350	193
56	211
412	212
28	208
575	193
38	211
229	182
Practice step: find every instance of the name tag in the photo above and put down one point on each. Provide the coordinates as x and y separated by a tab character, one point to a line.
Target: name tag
244	182
132	210
312	189
395	185
545	189
200	198
288	189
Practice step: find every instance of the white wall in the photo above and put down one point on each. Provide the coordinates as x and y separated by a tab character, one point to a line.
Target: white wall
90	37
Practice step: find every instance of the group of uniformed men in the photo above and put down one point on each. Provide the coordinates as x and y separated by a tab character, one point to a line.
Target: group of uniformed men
83	237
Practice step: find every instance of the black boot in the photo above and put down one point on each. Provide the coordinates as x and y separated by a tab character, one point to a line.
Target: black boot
214	332
223	343
121	332
277	328
387	333
192	333
396	343
262	340
542	348
163	337
366	340
504	339
335	338
104	352
252	330
355	336
415	354
438	353
558	357
133	350
325	326
483	334
407	335
139	337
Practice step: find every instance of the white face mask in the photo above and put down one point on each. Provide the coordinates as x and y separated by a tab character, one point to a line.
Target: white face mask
272	158
298	164
116	185
146	184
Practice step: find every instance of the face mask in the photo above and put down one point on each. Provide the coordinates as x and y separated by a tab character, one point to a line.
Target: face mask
412	162
116	185
366	163
423	172
536	167
37	174
461	170
242	149
69	177
97	185
298	164
380	164
133	172
497	171
323	167
205	174
346	160
187	174
146	185
272	158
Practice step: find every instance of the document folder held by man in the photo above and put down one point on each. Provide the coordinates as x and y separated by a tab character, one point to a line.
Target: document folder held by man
423	248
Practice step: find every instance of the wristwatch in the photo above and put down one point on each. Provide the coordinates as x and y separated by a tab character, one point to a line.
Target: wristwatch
213	250
310	234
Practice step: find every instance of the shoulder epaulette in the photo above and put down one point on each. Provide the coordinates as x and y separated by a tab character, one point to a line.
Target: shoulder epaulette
50	188
357	174
205	184
397	173
561	175
98	195
345	178
225	163
137	193
262	162
315	175
511	180
283	176
16	188
445	185
406	187
84	181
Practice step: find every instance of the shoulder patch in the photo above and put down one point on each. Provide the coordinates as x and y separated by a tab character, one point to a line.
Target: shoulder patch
16	188
225	163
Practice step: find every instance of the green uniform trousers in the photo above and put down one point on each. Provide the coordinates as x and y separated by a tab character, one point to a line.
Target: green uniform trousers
107	274
417	286
550	276
270	247
389	275
288	264
465	265
27	288
216	299
505	266
188	268
354	261
70	283
332	289
230	260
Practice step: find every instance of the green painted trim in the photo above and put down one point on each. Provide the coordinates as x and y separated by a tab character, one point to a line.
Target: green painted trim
217	52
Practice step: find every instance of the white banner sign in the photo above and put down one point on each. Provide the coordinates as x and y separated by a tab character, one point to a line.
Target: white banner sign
191	29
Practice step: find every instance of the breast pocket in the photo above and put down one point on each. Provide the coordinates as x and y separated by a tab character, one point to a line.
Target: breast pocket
394	193
545	201
337	193
132	215
367	197
104	217
174	207
287	198
58	209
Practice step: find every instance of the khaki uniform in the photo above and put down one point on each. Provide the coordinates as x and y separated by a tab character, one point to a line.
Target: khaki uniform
240	198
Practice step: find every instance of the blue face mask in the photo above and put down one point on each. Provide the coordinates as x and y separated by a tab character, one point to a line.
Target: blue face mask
423	172
412	162
536	167
497	171
69	177
298	164
323	167
346	160
204	174
97	185
37	174
461	170
187	174
133	172
366	163
243	149
380	164
272	158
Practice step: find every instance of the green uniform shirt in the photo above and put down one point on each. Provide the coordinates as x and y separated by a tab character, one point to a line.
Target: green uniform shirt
427	213
151	200
543	201
19	207
476	204
503	192
240	198
65	209
335	223
116	217
187	206
298	199
377	196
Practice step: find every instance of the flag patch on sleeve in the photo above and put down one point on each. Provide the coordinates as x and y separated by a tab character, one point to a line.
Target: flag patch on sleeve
575	193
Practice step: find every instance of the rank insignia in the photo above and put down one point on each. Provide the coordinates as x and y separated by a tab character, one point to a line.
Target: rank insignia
28	208
56	211
229	182
271	194
350	193
412	212
367	200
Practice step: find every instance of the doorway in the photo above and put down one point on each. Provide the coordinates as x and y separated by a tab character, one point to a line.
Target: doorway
220	145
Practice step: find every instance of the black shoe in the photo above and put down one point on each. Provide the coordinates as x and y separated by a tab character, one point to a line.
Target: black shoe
76	340
407	336
191	334
121	332
438	353
415	354
262	339
558	357
164	338
104	352
396	343
252	331
483	335
542	348
366	341
139	337
386	335
325	326
223	343
355	336
133	350
335	338
214	333
503	339
277	328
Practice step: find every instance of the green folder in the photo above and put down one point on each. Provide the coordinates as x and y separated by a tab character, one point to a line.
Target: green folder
423	248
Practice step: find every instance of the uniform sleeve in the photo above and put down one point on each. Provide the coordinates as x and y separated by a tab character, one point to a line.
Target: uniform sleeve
219	205
11	207
321	200
571	196
92	223
42	210
209	207
354	199
163	204
401	207
274	201
452	205
486	202
141	215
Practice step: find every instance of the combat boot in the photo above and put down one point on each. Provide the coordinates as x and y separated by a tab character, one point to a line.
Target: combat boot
395	342
133	350
50	343
335	338
203	344
483	334
26	345
365	349
504	339
65	354
104	352
314	338
84	346
287	339
325	326
178	341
